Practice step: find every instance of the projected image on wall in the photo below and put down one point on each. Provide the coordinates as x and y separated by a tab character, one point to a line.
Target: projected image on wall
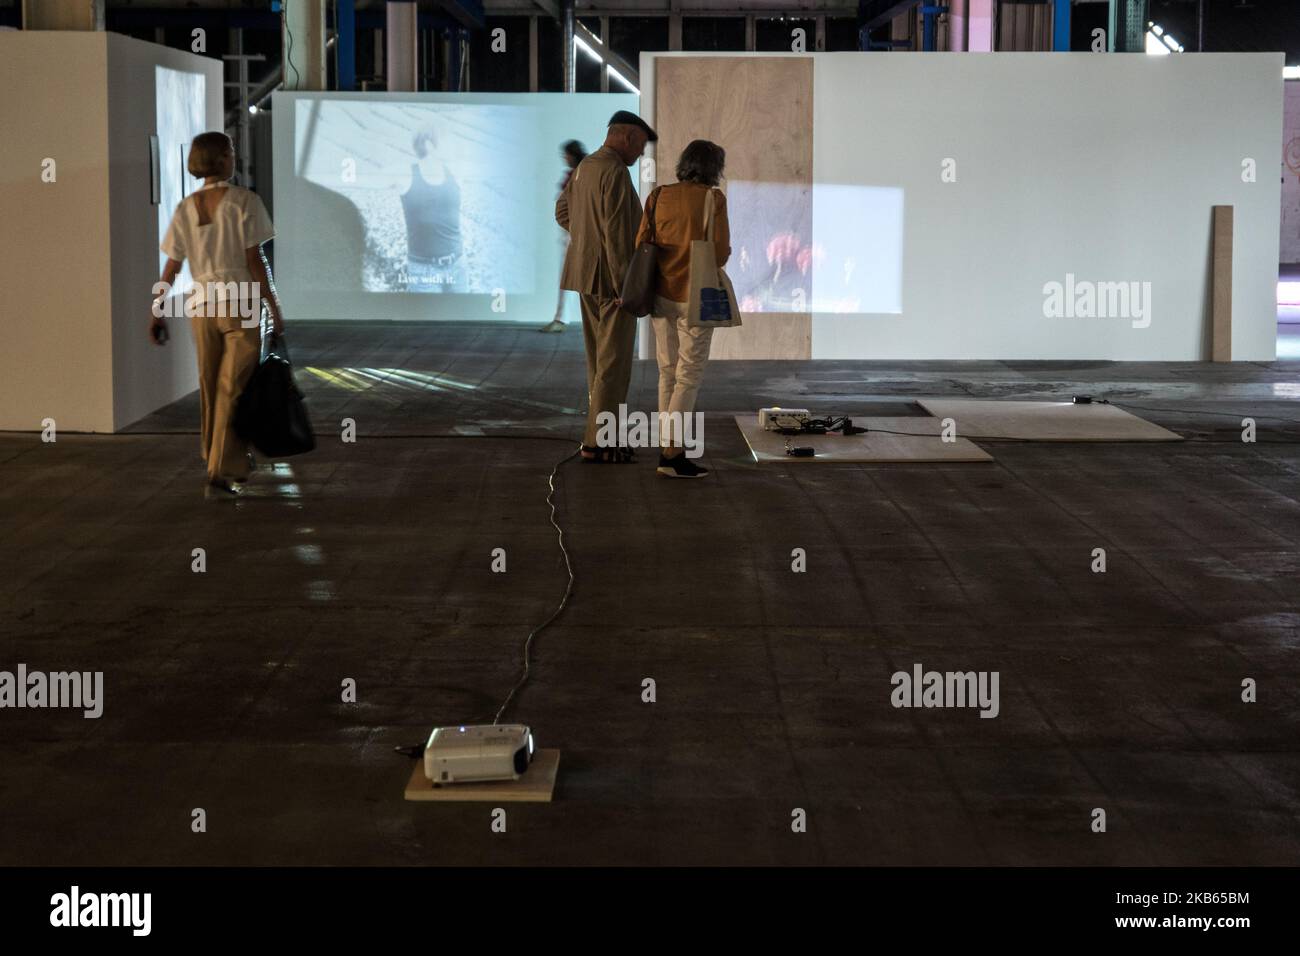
425	198
857	257
426	206
179	118
818	248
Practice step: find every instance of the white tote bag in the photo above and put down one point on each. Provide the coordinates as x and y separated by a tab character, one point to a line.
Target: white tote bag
712	303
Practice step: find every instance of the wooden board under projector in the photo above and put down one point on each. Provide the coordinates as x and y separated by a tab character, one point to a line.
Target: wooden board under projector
1044	421
535	786
921	443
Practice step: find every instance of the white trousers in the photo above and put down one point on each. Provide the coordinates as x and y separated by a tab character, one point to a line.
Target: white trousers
682	352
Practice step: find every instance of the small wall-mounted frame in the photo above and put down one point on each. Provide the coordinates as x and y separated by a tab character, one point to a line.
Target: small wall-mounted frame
155	171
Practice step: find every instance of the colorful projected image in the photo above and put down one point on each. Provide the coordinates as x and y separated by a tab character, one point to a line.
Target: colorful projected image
818	248
771	246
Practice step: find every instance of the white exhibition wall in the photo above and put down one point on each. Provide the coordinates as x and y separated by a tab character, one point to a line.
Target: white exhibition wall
79	253
174	95
54	262
1103	167
1291	174
362	177
1006	205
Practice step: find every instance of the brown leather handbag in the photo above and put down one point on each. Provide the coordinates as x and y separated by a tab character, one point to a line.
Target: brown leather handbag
643	271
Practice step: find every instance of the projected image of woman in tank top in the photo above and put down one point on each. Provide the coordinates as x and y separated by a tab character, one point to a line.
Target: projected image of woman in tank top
435	260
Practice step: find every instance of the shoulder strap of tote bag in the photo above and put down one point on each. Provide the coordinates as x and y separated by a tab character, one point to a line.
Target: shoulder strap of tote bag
708	215
652	203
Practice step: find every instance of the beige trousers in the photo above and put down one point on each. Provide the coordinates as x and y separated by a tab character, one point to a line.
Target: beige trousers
228	354
682	352
609	334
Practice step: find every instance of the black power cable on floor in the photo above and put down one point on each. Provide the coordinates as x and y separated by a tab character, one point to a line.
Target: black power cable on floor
568	591
416	751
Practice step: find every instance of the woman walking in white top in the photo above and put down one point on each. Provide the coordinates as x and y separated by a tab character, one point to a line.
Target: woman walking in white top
220	229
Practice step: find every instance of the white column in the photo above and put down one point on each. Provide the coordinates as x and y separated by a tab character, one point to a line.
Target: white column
957	25
403	38
302	43
979	26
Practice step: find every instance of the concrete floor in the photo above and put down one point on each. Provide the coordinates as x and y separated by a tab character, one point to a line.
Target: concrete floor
371	561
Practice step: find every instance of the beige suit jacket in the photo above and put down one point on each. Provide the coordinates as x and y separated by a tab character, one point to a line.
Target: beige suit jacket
600	209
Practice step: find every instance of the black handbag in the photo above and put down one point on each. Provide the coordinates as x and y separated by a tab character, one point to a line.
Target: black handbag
643	272
270	414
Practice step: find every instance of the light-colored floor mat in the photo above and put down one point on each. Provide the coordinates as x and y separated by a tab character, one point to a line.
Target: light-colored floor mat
920	442
1044	421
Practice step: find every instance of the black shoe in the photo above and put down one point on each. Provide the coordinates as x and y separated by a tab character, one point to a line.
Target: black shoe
679	466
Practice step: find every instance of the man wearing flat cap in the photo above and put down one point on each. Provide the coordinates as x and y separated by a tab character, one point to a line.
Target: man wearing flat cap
600	210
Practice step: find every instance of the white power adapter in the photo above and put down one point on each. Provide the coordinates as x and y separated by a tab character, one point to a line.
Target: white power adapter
477	753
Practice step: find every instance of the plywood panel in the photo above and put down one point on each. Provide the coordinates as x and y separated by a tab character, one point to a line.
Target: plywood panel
765	335
920	442
760	110
1221	287
1044	421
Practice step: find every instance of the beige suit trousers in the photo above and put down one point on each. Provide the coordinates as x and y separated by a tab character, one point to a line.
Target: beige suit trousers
228	354
610	336
682	353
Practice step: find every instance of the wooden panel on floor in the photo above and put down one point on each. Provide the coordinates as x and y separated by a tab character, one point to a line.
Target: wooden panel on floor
760	110
536	786
1221	286
765	336
1044	421
919	443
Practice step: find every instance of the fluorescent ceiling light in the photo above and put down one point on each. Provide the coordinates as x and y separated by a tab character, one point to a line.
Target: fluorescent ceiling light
622	79
581	44
1160	43
585	47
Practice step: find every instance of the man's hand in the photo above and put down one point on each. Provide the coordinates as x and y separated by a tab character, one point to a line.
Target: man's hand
158	332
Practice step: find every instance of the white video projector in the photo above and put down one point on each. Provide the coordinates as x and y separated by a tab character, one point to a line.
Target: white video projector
775	418
478	753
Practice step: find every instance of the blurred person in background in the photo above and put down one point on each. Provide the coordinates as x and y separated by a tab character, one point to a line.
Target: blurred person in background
574	153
